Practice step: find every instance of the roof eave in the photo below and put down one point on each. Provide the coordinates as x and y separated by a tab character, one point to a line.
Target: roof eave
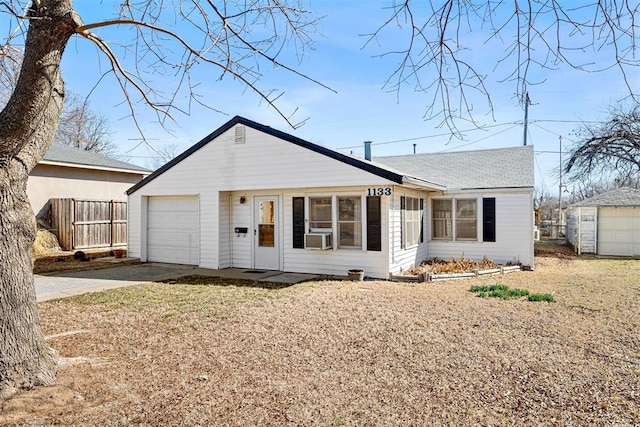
93	167
422	184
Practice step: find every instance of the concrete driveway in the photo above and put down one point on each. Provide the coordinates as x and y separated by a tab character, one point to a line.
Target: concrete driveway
66	284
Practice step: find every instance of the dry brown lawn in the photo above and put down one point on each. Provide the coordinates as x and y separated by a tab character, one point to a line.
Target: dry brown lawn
349	353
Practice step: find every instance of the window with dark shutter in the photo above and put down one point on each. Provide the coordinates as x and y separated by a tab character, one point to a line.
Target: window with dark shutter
403	232
489	219
374	224
421	221
298	222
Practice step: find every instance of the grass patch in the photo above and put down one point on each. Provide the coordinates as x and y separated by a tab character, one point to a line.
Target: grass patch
506	293
541	297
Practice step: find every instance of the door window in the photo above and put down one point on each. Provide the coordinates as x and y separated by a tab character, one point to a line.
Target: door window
266	225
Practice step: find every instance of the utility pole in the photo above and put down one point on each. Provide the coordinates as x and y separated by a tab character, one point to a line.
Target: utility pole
527	102
560	188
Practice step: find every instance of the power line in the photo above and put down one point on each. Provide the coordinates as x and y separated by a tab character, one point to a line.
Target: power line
479	140
513	124
430	136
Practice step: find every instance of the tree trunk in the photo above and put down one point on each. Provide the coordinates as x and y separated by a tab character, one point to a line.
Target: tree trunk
27	127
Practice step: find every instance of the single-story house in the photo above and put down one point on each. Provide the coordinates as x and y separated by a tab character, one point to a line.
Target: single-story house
606	224
249	196
68	172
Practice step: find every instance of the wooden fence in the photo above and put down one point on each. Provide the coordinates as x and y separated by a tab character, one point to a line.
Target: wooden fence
83	224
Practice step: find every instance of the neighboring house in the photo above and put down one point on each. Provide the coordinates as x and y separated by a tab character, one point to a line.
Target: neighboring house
68	172
249	196
606	224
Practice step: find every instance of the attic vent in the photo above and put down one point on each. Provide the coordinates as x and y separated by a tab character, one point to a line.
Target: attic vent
239	134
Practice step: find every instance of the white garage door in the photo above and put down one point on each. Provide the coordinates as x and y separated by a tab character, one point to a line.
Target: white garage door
173	230
619	231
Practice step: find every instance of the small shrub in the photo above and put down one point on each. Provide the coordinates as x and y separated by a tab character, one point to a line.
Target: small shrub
499	293
479	288
541	297
517	293
503	291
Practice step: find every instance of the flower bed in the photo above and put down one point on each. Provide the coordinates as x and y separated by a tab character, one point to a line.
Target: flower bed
435	269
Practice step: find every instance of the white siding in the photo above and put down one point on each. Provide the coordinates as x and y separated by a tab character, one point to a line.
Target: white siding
224	226
581	229
135	225
333	261
221	172
241	217
514	231
402	259
263	162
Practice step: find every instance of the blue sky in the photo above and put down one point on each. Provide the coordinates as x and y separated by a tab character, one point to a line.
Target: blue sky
361	109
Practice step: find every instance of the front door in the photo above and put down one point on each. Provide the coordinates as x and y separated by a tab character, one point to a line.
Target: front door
266	241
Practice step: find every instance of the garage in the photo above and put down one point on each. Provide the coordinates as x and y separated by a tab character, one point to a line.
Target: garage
619	231
616	217
173	230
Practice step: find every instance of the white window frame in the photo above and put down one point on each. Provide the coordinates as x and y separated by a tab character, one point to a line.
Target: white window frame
445	220
412	221
334	218
466	219
454	220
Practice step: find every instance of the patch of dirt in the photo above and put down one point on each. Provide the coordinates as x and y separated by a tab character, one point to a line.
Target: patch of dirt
66	261
553	248
349	353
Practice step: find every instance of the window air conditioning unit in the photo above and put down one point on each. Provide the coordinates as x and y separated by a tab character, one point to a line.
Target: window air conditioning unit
320	241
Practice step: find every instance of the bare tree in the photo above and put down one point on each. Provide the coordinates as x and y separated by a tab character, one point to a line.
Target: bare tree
80	126
10	60
610	149
162	155
83	128
534	35
238	39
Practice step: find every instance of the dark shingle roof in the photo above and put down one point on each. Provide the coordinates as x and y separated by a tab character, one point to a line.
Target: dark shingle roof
64	154
620	197
495	168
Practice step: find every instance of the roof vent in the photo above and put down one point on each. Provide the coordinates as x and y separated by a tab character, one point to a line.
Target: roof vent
239	134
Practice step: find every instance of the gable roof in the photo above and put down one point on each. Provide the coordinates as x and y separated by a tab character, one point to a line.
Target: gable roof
477	169
376	169
619	197
65	155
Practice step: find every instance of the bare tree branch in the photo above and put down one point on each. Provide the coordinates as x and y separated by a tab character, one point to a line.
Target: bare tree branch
612	148
535	34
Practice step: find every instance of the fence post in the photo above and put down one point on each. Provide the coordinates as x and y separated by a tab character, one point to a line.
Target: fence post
112	214
74	208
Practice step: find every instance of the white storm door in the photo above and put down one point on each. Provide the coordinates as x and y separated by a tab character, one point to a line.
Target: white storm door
266	253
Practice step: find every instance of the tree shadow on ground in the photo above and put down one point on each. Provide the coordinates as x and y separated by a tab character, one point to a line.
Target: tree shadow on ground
225	281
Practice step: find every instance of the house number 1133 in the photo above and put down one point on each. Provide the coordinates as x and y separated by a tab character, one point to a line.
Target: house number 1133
379	191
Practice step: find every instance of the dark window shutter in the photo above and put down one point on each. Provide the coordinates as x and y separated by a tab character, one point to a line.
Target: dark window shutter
403	212
489	219
298	222
374	224
421	220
